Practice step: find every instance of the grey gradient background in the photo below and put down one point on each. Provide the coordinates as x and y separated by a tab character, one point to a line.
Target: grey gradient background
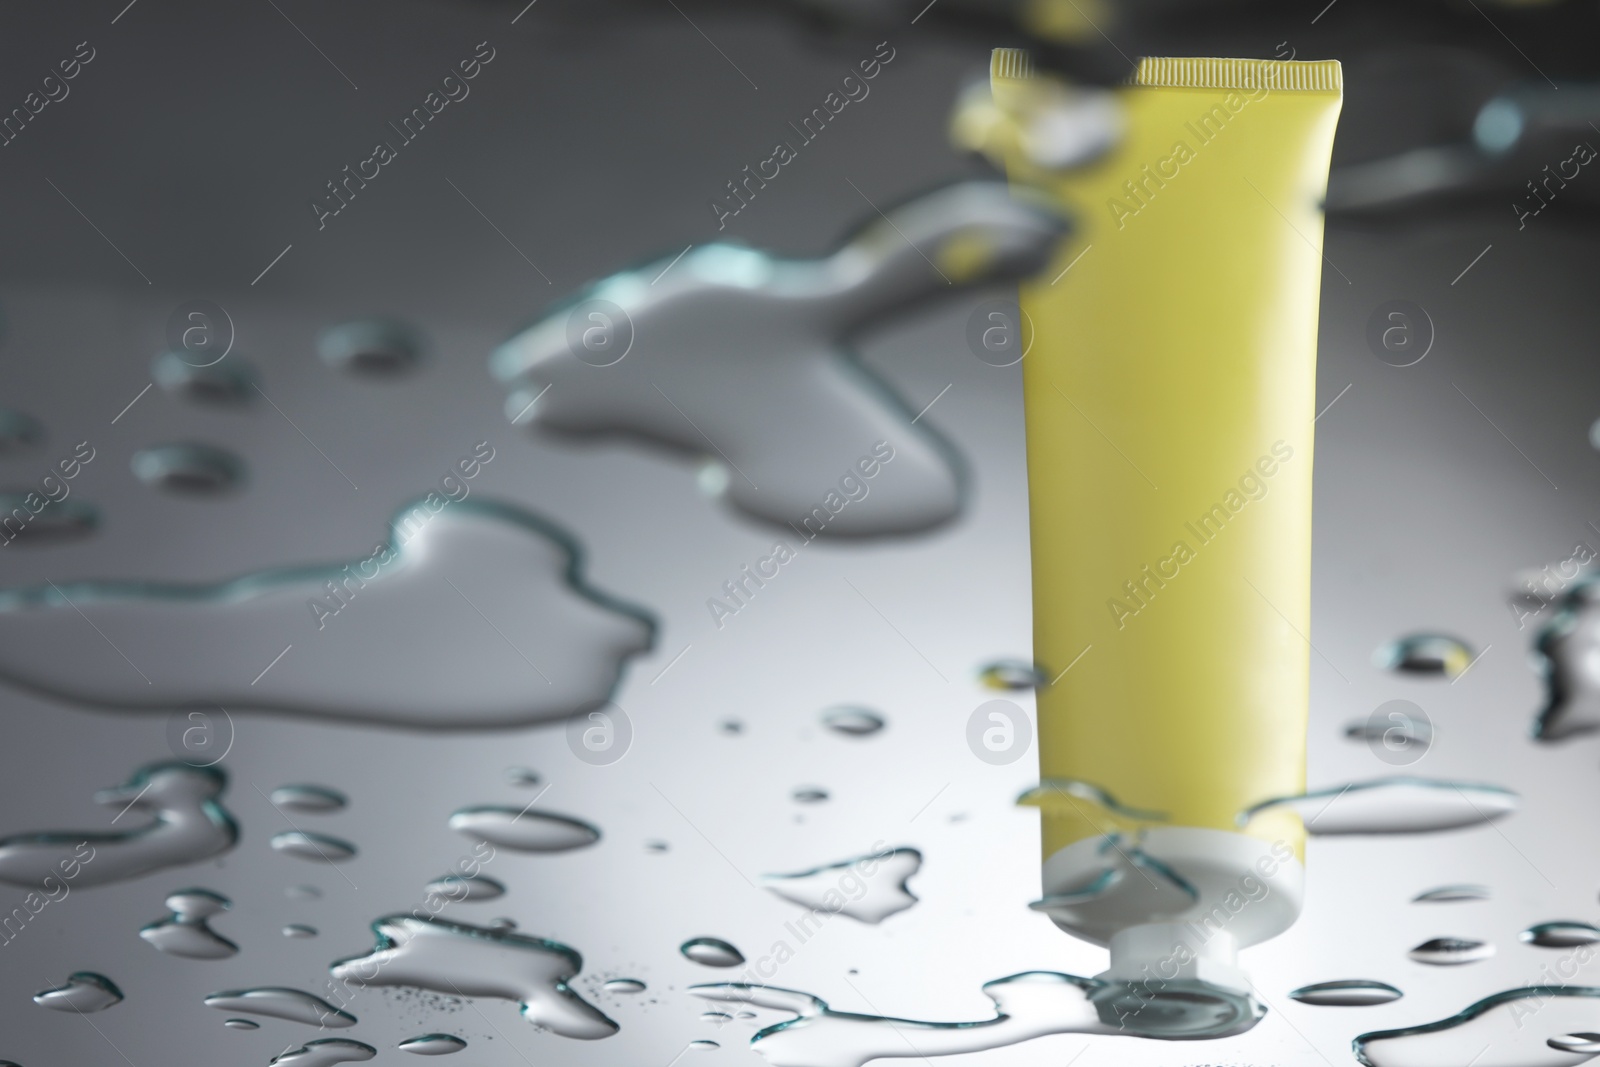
593	141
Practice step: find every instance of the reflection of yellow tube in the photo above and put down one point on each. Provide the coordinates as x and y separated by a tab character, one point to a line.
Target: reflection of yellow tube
1170	394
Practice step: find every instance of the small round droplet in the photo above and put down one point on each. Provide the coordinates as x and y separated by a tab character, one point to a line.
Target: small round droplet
523	776
308	799
302	892
656	846
325	1052
83	992
853	721
711	952
702	1045
461	888
318	848
502	924
240	1024
1348	993
186	932
1583	1044
1398	732
523	830
1010	675
1452	894
371	347
744	1015
19	433
230	383
299	931
1560	934
1439	655
433	1044
57	523
1451	951
189	469
716	1018
809	794
731	727
280	1002
624	985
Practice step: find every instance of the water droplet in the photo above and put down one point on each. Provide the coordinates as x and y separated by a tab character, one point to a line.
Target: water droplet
325	1052
1451	951
1428	654
227	383
1560	934
624	985
837	887
731	727
1072	794
1567	651
657	846
502	924
189	469
523	776
1395	806
308	799
716	1018
302	892
853	721
186	932
1114	872
319	848
1521	1026
1386	731
702	1045
1452	894
433	1044
472	582
711	951
1585	1044
523	830
19	433
1011	675
84	991
240	1024
299	931
809	794
276	1002
462	887
745	1015
1028	1005
1348	993
371	347
54	523
1100	883
799	422
185	824
473	961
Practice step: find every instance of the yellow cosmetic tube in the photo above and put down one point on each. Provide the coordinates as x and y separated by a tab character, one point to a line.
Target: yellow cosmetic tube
1169	394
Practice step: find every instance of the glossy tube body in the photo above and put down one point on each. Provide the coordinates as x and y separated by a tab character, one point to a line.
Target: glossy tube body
1170	395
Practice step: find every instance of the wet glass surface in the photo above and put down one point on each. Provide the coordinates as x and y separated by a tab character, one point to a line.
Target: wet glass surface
284	756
